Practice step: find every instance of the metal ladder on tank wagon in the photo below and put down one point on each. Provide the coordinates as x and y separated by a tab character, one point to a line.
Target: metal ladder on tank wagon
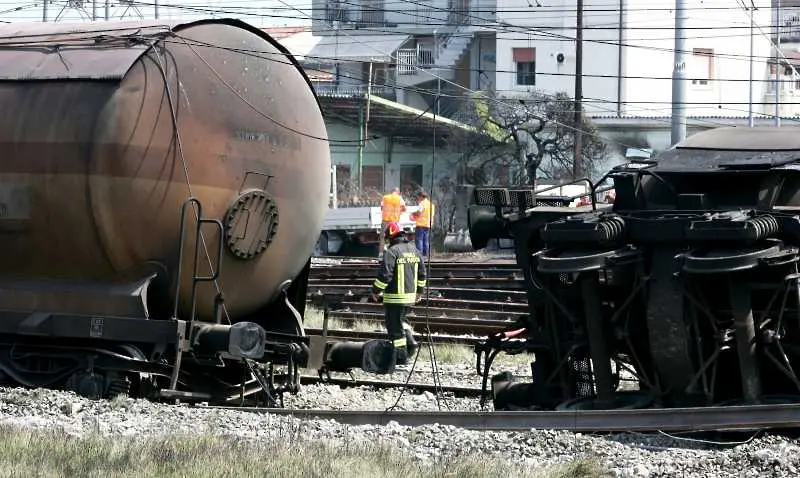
182	344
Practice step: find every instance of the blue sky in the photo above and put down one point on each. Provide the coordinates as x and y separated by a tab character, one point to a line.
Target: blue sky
262	13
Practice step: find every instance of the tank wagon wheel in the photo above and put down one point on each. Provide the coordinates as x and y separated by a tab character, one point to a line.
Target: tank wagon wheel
111	372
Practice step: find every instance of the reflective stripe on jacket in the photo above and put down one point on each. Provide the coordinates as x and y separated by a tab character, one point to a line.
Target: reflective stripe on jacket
425	214
391	207
401	275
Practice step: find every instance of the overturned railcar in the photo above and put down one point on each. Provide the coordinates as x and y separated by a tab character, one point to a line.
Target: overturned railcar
683	292
161	190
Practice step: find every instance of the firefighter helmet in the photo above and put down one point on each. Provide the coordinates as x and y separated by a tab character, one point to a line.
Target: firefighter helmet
393	229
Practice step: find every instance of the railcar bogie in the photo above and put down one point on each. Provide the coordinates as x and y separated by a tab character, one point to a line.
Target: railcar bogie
682	292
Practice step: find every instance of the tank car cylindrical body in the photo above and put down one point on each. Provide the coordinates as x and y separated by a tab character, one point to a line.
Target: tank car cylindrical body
107	129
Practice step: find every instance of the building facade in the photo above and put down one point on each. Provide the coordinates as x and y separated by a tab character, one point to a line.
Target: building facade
418	50
628	54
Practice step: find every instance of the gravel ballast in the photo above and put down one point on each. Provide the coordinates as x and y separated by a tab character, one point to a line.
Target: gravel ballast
635	455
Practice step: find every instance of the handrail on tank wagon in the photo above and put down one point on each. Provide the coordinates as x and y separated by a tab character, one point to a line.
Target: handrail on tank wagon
214	269
195	278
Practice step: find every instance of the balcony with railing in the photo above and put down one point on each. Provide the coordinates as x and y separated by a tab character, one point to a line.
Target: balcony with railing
409	60
438	56
332	90
790	25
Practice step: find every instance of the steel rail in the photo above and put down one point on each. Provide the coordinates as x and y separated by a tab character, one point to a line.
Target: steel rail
465	282
495	296
437	266
751	417
455	390
436	339
457	259
433	312
436	324
454	304
363	290
369	274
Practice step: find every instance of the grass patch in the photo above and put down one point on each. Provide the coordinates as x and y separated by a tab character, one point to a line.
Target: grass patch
314	318
460	354
448	353
46	454
580	468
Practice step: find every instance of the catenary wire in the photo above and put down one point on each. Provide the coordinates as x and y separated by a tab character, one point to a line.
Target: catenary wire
522	29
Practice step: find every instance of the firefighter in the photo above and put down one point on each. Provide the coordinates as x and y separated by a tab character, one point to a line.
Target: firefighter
392	205
423	219
401	278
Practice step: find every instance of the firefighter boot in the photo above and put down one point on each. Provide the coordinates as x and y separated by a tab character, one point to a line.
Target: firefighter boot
411	344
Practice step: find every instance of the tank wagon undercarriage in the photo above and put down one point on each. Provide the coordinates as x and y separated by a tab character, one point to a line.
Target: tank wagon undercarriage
102	342
684	292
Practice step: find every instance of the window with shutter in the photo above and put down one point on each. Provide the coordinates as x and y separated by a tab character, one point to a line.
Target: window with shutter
525	59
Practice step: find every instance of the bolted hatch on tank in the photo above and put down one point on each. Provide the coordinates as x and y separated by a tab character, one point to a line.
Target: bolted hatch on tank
251	224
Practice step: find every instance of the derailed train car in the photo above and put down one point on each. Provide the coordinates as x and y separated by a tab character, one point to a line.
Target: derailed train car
161	190
683	292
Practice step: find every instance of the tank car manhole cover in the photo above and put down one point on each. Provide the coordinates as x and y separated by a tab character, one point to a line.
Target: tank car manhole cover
251	224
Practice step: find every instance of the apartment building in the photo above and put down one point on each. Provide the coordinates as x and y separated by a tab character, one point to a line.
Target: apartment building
628	54
416	49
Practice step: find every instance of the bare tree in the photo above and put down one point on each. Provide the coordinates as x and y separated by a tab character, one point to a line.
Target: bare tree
530	137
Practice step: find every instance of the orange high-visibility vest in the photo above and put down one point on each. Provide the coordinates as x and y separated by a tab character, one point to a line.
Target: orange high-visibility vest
425	214
391	207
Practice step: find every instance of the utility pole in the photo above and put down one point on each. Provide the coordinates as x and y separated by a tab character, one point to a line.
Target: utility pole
750	121
44	11
155	4
679	76
778	63
577	166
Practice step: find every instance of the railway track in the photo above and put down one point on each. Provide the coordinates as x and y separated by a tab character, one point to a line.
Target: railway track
457	259
493	311
465	298
412	387
727	418
322	289
498	283
439	325
357	336
455	270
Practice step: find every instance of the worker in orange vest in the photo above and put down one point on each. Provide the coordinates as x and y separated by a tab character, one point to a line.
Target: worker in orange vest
424	220
392	205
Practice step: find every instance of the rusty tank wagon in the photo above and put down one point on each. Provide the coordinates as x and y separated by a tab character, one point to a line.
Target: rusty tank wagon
684	292
162	187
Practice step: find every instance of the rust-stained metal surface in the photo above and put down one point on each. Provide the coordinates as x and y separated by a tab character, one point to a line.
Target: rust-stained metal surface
50	51
92	176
